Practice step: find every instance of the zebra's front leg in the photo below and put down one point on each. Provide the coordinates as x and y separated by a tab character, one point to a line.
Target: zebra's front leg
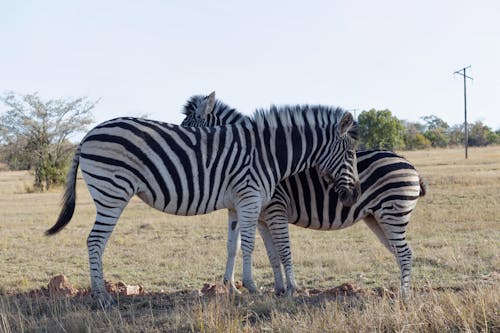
233	244
248	214
274	259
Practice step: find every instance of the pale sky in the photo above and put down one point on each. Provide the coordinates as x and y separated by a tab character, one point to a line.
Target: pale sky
148	57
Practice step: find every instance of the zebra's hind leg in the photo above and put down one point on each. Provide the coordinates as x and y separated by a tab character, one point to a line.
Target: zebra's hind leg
233	244
391	230
106	220
274	259
277	222
372	223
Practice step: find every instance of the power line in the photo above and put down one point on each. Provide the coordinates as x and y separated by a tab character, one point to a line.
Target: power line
464	74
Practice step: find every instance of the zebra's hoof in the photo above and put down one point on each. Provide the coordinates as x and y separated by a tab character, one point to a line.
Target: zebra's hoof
231	287
104	301
234	291
279	292
405	293
290	290
251	287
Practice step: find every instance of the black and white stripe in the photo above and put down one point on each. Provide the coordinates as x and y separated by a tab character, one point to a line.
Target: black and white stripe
190	170
390	188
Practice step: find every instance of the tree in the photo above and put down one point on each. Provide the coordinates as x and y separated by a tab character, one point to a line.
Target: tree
436	131
413	137
433	122
456	135
495	136
380	130
481	135
35	134
438	137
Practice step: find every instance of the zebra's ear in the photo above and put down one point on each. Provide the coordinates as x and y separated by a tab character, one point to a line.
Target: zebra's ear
209	106
345	123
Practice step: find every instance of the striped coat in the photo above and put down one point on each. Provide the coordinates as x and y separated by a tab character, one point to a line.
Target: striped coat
188	171
390	188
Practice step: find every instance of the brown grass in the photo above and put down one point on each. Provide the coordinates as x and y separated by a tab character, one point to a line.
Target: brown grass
454	234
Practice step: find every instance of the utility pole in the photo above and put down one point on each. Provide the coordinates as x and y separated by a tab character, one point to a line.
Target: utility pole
464	74
354	111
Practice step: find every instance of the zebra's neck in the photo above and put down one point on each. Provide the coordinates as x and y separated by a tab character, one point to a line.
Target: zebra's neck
291	139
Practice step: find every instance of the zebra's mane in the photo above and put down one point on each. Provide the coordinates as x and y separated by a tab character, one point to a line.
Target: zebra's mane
301	115
193	102
285	115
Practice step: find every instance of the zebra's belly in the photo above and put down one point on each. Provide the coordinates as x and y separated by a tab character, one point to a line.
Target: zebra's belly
187	206
331	215
322	223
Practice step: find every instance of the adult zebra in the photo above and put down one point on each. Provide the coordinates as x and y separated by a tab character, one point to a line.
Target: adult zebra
189	171
390	188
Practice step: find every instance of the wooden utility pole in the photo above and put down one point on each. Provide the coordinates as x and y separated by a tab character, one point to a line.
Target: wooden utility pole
354	111
464	74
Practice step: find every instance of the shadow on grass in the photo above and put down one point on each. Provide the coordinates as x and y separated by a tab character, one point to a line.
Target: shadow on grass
213	309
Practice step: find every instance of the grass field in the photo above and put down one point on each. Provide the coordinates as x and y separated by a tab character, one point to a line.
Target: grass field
454	234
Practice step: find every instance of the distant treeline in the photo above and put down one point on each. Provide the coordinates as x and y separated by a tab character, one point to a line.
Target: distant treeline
34	134
381	130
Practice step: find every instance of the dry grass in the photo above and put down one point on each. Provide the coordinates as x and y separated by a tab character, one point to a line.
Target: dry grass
454	233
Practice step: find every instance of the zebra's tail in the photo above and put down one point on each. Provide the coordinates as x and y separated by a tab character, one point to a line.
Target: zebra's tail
68	200
423	186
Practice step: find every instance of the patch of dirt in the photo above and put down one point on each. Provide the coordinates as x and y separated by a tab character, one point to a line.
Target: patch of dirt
60	286
347	290
123	289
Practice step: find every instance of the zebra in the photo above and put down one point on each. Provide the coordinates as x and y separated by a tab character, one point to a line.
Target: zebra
191	170
390	188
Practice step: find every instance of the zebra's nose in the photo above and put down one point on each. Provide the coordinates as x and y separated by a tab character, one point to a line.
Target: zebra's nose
348	196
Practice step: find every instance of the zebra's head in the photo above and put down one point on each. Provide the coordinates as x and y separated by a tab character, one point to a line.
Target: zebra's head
340	169
209	111
198	109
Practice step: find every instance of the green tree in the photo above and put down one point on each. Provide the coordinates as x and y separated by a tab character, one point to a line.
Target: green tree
436	131
380	130
456	135
438	137
433	122
496	137
35	134
481	135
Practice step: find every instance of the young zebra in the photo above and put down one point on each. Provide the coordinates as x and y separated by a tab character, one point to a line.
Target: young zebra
390	188
189	171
